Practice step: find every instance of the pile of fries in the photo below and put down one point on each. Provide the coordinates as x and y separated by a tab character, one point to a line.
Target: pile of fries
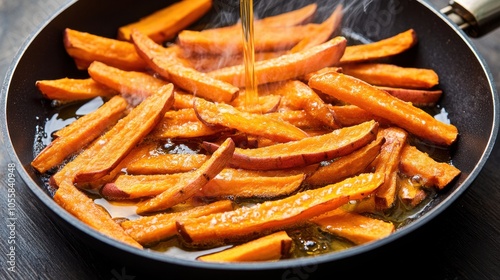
328	145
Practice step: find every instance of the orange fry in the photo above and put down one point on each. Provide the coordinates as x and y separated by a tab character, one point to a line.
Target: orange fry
80	133
86	48
381	74
109	149
268	248
66	89
288	66
168	66
165	23
346	166
384	105
417	97
148	230
303	152
82	207
353	226
252	123
129	83
380	49
271	216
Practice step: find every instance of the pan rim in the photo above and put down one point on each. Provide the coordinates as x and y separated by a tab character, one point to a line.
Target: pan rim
283	264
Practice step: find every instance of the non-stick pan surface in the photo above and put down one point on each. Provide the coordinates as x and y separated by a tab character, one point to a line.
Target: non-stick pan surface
470	98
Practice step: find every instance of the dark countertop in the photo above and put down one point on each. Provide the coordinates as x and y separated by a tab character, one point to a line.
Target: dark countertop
461	243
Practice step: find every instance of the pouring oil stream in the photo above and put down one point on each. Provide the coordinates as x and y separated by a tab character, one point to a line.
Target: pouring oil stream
251	93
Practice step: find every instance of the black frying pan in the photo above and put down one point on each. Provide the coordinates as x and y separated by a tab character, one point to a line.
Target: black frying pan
470	100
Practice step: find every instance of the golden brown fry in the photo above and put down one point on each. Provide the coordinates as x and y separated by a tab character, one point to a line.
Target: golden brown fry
187	188
269	216
165	23
272	247
252	123
288	66
384	105
304	152
346	166
168	66
80	133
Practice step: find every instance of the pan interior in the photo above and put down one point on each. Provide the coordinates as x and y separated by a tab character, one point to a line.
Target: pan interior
469	97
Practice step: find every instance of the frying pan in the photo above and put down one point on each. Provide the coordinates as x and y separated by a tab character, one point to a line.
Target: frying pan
470	100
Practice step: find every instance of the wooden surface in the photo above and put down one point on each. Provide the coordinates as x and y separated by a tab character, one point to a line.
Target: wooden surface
461	243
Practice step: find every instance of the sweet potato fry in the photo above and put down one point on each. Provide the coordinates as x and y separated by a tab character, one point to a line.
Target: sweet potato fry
168	66
148	230
183	124
270	216
272	247
238	183
80	133
166	164
346	166
129	83
129	187
381	49
86	47
165	23
307	151
109	149
288	66
186	188
324	32
387	163
252	123
418	97
141	150
83	208
222	41
298	95
432	173
390	75
353	226
66	89
384	105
